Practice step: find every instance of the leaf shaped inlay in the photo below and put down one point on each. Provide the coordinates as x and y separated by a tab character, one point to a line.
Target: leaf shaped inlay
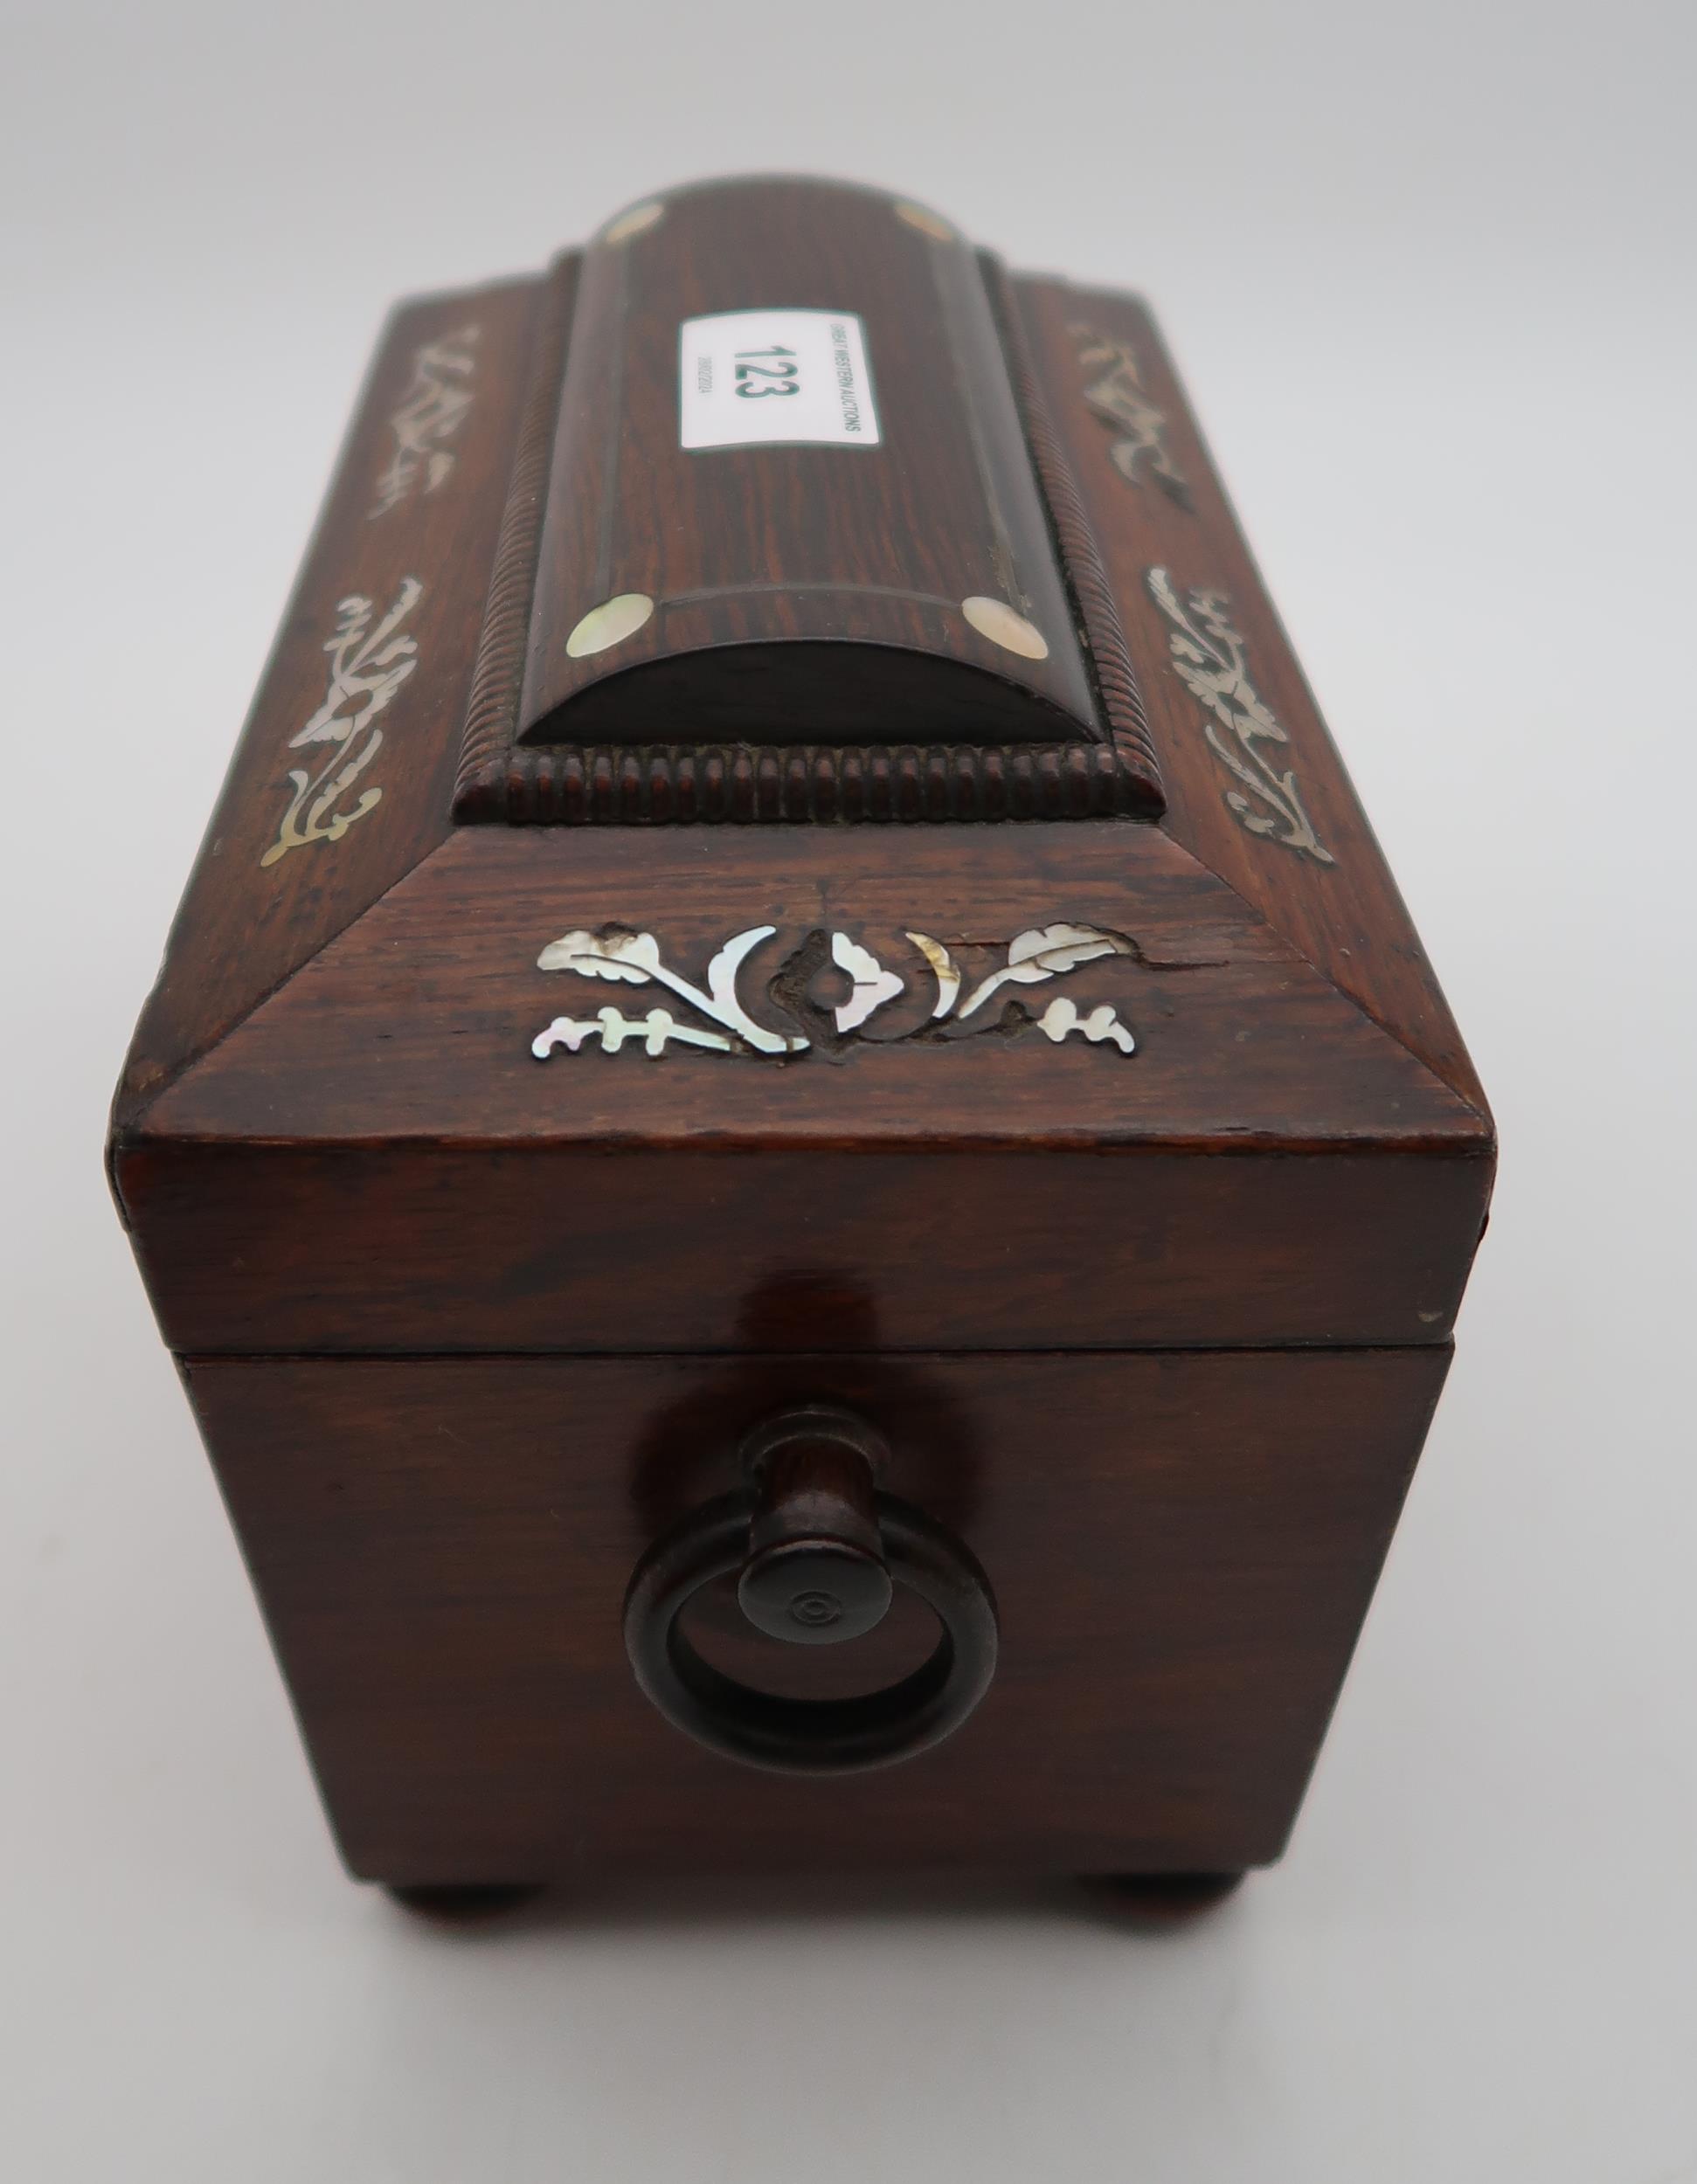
632	957
1044	952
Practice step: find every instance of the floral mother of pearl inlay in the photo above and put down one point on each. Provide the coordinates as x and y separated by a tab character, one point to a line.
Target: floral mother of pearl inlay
721	1022
1210	658
435	405
1142	446
368	666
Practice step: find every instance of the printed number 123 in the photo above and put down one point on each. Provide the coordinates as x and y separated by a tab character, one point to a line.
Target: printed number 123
755	379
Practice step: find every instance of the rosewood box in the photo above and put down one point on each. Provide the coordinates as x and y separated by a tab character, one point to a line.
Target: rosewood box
808	1180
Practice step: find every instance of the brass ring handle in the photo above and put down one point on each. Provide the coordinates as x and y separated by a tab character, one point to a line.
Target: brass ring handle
818	1550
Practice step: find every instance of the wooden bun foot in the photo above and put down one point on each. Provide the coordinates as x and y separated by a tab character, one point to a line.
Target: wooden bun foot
1160	1899
464	1904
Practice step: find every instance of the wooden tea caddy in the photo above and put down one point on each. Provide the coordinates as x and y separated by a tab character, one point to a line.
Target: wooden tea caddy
807	1177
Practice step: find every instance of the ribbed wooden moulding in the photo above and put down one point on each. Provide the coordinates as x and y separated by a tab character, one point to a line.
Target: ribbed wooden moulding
872	784
1082	567
492	710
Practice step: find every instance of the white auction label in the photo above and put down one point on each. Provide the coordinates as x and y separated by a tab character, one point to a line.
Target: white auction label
757	379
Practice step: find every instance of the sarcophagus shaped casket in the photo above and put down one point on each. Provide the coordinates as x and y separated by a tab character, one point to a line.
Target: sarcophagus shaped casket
808	1183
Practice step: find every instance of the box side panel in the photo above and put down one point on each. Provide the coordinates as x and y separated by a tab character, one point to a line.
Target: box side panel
1255	787
422	1021
342	778
1182	1548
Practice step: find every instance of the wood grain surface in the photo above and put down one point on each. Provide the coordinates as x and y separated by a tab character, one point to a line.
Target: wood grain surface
1181	1548
795	586
244	927
1268	1164
1344	915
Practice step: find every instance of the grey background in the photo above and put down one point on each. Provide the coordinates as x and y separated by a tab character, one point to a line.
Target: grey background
1428	272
